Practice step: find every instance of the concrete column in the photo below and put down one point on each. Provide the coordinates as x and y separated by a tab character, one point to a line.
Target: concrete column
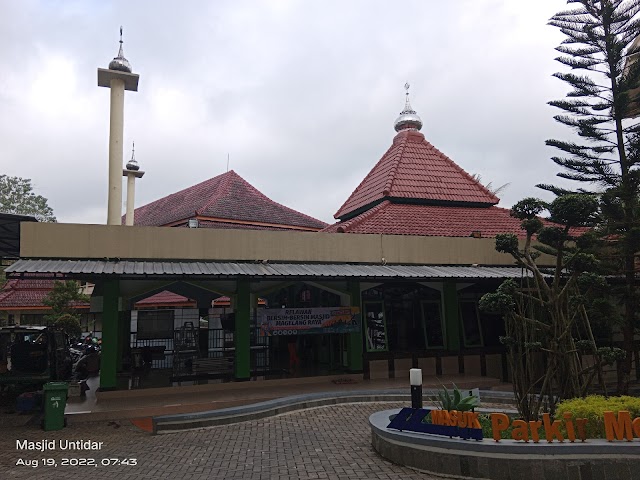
116	133
355	340
131	195
110	334
242	336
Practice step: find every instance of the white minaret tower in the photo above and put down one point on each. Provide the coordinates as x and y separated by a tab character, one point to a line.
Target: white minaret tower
131	172
118	78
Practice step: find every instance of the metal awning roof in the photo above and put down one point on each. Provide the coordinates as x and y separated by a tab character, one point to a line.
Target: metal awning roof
10	234
209	269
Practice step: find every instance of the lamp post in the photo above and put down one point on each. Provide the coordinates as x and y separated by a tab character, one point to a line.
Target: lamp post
415	379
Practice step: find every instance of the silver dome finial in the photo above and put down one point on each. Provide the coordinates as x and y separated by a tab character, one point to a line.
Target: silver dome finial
120	63
133	164
408	117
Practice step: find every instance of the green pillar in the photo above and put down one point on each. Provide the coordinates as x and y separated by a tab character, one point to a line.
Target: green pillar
124	327
242	333
451	316
354	346
110	334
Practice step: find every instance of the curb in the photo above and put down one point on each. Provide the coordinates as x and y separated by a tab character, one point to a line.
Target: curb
256	411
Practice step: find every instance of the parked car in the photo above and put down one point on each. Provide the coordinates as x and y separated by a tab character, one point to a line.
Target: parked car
33	355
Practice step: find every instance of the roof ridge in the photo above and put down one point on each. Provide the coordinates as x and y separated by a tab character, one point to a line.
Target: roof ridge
218	193
352	222
386	190
336	216
463	171
138	211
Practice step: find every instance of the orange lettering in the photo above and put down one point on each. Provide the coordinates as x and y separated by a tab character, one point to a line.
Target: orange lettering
571	432
463	420
499	422
620	427
534	427
551	429
582	432
472	420
453	418
636	426
436	417
520	431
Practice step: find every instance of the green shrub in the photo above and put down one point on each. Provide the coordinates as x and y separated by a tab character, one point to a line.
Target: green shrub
593	407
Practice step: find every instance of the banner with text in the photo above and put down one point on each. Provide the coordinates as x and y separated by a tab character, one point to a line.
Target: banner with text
303	321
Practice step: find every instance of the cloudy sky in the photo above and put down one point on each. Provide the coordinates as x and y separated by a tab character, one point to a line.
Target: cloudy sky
302	95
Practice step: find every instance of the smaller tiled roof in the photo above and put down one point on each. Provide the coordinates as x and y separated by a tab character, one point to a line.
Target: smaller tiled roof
431	220
414	170
227	196
28	293
164	298
236	225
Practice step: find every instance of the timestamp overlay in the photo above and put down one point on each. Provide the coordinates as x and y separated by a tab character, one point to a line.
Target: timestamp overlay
101	449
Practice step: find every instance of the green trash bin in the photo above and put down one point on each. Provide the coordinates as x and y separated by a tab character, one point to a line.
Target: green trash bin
55	401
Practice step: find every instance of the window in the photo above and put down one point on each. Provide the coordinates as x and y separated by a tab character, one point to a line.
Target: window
155	324
432	322
376	328
470	324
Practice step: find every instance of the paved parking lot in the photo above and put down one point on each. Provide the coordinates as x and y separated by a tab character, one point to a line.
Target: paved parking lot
326	442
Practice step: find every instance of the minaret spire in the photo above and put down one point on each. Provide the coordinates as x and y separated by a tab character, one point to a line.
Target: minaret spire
408	118
120	63
133	164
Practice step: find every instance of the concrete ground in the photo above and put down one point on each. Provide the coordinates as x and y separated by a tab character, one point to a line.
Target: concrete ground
121	404
326	442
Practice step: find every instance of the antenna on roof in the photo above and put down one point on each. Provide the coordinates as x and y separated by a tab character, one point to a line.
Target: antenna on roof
227	162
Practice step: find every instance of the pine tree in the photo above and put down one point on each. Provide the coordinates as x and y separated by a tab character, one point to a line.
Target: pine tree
600	40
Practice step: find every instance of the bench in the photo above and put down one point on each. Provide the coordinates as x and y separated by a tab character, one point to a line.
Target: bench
218	367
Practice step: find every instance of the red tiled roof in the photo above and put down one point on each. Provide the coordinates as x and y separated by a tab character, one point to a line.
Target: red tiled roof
28	293
164	298
430	220
227	196
414	169
233	225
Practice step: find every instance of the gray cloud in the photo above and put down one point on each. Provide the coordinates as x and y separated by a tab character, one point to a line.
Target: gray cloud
301	95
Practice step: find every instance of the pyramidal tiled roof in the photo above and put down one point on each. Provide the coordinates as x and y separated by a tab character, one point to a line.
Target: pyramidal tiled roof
227	198
414	170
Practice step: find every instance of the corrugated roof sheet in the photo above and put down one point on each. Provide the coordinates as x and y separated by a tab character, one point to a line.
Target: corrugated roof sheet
132	268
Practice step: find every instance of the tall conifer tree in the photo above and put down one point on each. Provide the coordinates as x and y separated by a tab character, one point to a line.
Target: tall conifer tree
601	40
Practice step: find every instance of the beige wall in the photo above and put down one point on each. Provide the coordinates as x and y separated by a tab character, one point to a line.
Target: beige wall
58	240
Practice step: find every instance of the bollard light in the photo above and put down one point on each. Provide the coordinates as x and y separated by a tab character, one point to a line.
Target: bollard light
415	379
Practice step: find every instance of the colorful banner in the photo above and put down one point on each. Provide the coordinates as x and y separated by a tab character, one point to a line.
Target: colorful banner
303	321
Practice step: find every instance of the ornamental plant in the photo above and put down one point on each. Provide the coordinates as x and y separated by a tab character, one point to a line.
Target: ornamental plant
593	407
454	400
550	346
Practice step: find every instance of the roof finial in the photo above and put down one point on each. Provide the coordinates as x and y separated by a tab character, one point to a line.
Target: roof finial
133	164
408	117
120	63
